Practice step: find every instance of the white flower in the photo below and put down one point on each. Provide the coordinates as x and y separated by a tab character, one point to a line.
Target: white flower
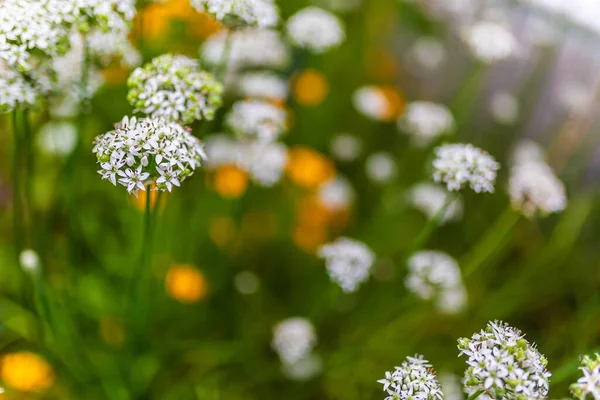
336	194
435	275
588	386
503	364
304	369
345	147
504	108
260	13
264	161
257	119
348	262
429	53
459	164
490	42
221	150
381	167
30	261
57	138
293	339
246	282
105	46
575	97
140	152
108	15
451	386
18	90
249	48
371	102
426	121
430	199
315	29
262	85
171	87
527	151
413	380
534	188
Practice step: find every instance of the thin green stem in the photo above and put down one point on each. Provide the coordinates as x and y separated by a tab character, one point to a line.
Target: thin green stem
85	72
475	395
432	224
221	70
28	179
16	187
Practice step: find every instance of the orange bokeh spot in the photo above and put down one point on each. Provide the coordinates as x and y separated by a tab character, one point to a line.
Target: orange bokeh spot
309	238
26	372
230	181
381	65
308	168
310	88
186	284
139	202
395	103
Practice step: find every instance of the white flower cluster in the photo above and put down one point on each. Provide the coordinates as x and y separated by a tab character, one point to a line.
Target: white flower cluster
370	101
257	119
336	194
430	198
235	13
17	91
451	386
415	379
503	364
293	339
534	189
490	42
249	48
171	87
426	121
381	167
262	85
588	386
108	15
345	147
433	274
315	29
348	262
105	46
459	164
141	152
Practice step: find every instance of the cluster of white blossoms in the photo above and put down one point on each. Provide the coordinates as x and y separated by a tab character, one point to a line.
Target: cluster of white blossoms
588	386
17	91
336	194
428	53
315	29
426	121
371	102
345	147
171	87
236	13
451	386
504	107
503	364
414	379
257	119
106	46
490	42
434	275
460	164
293	339
148	151
262	85
249	48
348	262
108	15
430	199
381	167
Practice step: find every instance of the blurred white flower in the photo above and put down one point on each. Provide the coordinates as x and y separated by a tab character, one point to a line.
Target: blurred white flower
246	282
20	91
414	379
250	48
221	150
459	164
315	29
381	167
348	262
304	369
527	151
235	13
257	120
589	384
336	194
429	53
262	85
576	98
264	161
30	261
345	147
57	138
533	189
370	101
293	339
105	46
430	198
452	301
490	42
451	386
107	15
504	107
426	121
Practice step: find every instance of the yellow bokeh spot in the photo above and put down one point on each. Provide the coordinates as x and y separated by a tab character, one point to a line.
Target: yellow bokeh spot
230	181
139	202
112	331
395	103
308	168
26	372
221	230
310	88
312	213
309	238
185	283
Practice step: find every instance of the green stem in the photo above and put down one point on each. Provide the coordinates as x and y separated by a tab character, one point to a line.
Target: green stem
475	395
221	70
16	188
85	72
27	178
463	102
431	225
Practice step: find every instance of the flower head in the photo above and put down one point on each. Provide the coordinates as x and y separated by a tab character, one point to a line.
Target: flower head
426	121
336	194
459	164
235	13
490	42
171	87
534	188
257	119
26	372
381	167
348	262
140	152
23	91
262	85
413	379
315	29
108	15
588	386
264	161
502	364
293	339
